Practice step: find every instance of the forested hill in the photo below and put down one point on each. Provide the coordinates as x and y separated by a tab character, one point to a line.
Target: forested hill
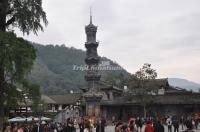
53	69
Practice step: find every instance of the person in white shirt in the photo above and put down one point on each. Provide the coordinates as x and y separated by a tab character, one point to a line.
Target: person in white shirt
169	124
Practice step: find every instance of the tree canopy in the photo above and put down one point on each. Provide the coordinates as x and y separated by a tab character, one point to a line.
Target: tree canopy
16	54
16	59
142	84
23	14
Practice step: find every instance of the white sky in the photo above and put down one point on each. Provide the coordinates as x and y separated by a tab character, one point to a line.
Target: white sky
164	33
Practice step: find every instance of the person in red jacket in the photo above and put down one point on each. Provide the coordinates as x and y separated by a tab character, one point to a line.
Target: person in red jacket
149	127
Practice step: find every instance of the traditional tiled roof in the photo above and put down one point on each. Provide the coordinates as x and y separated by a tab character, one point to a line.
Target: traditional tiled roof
172	95
193	98
163	83
178	99
47	99
66	98
105	86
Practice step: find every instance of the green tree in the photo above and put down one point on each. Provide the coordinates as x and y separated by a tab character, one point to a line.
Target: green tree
16	58
141	85
23	14
16	54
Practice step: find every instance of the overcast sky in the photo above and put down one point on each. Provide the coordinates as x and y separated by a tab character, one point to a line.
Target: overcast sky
164	33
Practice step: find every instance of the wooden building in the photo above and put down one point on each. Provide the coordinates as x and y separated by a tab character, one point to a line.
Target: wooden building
167	101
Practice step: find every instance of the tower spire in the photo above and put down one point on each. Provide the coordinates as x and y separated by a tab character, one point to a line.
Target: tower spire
93	96
90	15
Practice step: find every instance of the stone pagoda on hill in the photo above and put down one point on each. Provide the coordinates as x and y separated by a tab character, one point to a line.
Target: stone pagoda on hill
92	96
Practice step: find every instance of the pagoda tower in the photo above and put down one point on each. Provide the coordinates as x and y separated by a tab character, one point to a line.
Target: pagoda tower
92	96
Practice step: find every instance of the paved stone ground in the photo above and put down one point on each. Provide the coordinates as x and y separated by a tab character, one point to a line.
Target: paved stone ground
111	129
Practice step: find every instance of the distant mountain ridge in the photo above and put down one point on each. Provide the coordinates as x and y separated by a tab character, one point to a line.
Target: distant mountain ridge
53	69
183	83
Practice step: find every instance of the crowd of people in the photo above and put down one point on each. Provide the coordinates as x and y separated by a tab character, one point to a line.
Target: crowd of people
98	125
70	125
187	124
